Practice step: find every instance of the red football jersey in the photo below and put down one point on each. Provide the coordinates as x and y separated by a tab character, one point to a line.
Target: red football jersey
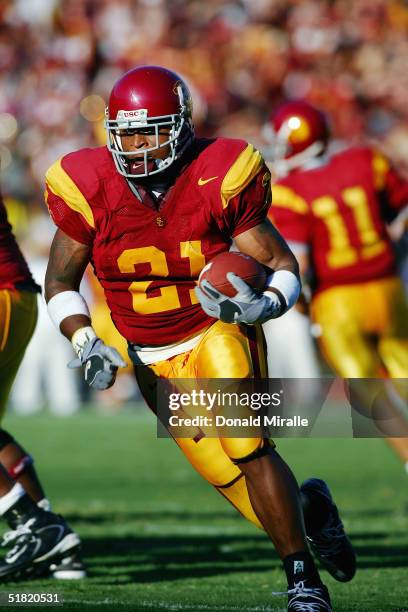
340	210
147	259
13	267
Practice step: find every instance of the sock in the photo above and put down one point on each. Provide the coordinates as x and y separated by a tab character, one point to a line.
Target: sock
10	498
22	510
300	567
316	509
44	504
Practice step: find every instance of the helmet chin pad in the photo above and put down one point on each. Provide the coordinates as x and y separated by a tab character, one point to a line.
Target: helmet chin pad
134	166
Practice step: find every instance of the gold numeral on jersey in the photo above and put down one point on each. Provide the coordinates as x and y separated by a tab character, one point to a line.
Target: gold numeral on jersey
168	297
192	250
341	252
356	199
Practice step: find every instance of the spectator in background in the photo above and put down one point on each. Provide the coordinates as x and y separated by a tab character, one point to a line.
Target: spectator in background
347	56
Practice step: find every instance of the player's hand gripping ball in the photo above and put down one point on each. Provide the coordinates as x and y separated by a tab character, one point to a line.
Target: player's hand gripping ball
244	266
230	288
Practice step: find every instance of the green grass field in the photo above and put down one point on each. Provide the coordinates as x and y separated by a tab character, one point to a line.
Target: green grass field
157	537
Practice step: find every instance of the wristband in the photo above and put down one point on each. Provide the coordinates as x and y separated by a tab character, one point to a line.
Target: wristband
66	304
80	338
287	283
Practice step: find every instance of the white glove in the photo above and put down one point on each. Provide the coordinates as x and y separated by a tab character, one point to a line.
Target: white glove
101	364
246	306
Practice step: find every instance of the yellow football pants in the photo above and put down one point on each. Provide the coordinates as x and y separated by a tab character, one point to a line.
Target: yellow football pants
365	333
364	328
224	351
18	317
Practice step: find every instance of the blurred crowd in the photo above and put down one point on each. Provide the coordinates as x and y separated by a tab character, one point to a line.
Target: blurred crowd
59	59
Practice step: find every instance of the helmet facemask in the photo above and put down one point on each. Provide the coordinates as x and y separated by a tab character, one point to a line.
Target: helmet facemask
179	138
279	148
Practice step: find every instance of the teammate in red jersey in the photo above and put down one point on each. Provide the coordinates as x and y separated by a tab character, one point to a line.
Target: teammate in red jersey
38	540
333	210
149	211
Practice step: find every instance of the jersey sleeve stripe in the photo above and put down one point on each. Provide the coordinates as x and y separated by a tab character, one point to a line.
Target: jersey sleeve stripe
284	197
6	317
241	173
61	185
380	169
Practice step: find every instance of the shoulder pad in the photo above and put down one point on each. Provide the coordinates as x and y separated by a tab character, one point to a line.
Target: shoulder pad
245	164
75	178
380	166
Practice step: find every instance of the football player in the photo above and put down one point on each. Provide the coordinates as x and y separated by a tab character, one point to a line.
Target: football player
333	209
40	542
149	211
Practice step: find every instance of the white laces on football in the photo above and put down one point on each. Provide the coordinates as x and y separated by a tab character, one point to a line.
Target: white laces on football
298	604
13	534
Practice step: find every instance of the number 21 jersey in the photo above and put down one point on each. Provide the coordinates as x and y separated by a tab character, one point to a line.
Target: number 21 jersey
146	257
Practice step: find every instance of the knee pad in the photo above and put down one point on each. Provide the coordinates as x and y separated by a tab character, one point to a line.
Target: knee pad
262	449
5	439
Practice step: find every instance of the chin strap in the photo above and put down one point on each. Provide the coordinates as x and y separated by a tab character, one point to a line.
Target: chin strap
134	189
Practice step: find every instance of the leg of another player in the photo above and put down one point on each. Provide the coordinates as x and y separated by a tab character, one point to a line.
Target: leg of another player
35	532
35	536
6	482
19	465
16	506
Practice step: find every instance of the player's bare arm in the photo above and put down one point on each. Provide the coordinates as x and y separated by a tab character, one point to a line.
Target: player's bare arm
69	311
66	266
264	243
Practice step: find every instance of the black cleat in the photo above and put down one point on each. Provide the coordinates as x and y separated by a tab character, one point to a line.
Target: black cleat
330	544
35	543
69	567
308	599
302	598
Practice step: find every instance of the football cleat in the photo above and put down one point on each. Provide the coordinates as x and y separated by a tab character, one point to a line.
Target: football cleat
302	598
330	544
69	567
34	544
308	599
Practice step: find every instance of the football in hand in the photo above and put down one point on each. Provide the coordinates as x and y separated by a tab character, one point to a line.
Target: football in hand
244	266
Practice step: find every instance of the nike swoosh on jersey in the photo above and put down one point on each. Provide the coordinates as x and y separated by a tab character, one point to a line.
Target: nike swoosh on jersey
202	181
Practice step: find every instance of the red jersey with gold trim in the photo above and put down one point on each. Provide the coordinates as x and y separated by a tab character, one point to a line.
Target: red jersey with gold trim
147	258
13	267
340	209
